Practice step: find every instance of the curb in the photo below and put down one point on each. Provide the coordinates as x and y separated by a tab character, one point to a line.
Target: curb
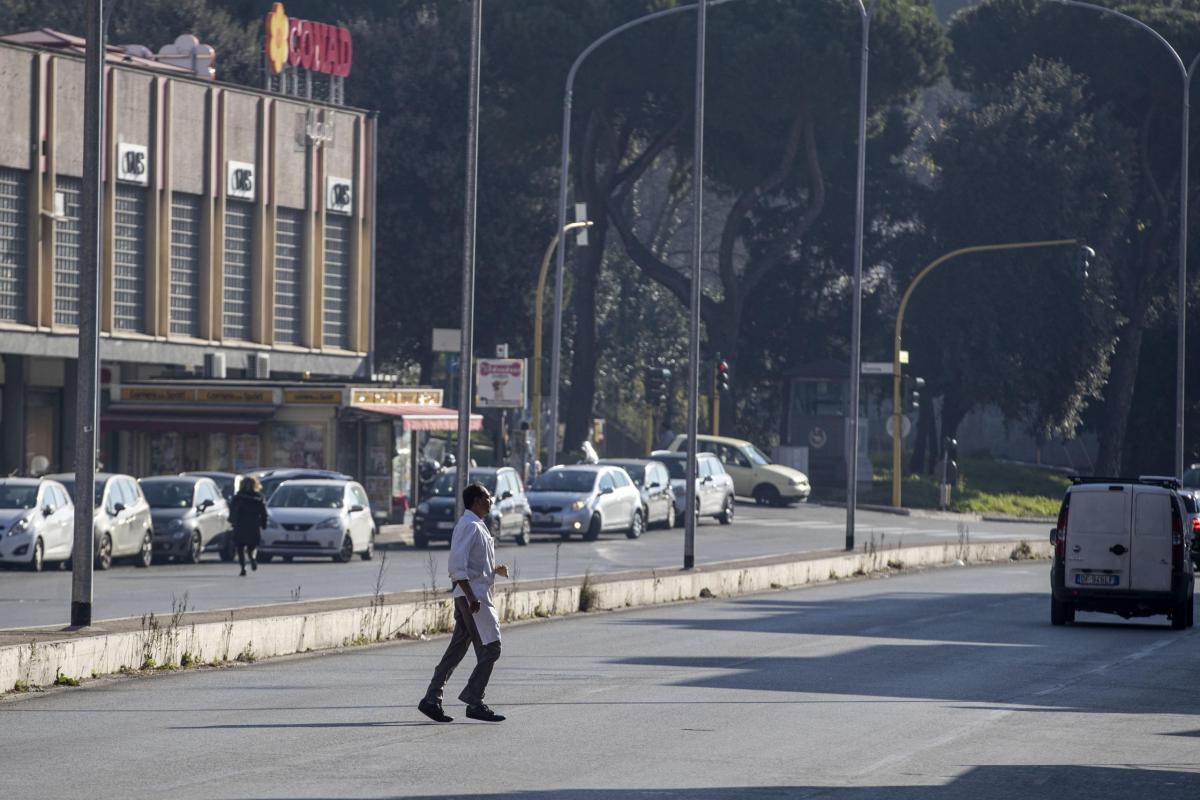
927	513
47	655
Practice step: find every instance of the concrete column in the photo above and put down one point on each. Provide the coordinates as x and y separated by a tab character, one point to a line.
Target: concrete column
12	416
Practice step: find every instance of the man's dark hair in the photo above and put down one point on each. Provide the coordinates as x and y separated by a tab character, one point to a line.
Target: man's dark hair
472	493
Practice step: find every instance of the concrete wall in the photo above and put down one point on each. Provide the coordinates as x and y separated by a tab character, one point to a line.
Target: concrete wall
289	154
68	123
188	119
16	96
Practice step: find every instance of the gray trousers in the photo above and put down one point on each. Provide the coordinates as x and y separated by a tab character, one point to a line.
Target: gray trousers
486	656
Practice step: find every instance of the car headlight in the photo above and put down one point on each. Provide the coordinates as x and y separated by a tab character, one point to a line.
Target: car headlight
798	481
273	523
175	526
20	526
328	524
423	509
579	505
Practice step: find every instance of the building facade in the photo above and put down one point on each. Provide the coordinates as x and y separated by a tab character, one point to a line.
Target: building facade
236	247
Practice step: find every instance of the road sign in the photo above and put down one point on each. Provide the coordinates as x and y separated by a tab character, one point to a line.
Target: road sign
877	368
502	351
447	340
905	427
500	383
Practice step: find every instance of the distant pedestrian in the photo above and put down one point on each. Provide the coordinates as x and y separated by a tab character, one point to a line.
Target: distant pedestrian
473	569
248	517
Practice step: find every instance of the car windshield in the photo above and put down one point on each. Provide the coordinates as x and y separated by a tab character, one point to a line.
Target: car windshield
676	468
18	496
69	484
1191	479
756	456
168	494
445	484
565	480
307	497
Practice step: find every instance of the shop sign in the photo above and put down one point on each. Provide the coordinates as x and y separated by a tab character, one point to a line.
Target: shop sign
313	397
396	397
313	46
157	394
500	383
339	195
239	180
236	395
133	163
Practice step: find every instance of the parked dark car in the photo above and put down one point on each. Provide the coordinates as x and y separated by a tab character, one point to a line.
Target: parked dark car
227	482
654	482
188	513
434	516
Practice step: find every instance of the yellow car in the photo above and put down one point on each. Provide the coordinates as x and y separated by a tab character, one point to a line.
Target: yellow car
753	473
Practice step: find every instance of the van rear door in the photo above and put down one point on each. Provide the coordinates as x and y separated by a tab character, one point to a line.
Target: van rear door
1151	556
1098	537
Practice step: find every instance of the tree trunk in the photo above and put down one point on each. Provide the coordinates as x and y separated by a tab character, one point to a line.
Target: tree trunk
1118	395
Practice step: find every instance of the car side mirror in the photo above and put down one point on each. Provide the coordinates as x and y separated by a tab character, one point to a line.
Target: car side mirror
706	479
118	508
607	490
355	509
506	495
653	485
47	511
1054	536
205	505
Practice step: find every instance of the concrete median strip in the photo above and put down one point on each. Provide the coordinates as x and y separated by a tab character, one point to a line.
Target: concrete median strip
35	657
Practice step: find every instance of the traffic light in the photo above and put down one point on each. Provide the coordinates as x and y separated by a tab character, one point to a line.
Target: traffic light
912	393
722	378
657	382
1086	254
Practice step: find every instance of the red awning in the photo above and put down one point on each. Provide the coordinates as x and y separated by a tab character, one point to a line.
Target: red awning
423	418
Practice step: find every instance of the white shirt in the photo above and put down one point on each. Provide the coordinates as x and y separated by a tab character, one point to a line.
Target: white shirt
472	556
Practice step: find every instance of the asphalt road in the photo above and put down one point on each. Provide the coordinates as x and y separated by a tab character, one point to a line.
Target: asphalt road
28	600
949	684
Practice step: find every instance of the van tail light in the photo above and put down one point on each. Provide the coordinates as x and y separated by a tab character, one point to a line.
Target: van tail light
1060	541
1176	537
1195	526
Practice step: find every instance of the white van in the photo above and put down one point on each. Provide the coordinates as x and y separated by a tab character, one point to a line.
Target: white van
1121	547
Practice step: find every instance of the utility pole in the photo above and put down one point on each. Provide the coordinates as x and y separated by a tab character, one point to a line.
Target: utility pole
86	406
689	536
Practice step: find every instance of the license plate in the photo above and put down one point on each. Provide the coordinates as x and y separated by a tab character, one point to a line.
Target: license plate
1098	580
544	519
445	526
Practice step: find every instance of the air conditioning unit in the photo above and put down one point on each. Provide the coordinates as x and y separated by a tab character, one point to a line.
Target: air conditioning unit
258	365
214	365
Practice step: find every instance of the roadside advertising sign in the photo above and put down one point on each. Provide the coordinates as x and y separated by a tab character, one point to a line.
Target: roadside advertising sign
313	46
500	383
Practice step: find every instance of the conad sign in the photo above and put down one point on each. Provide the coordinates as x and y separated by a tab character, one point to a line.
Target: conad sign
312	45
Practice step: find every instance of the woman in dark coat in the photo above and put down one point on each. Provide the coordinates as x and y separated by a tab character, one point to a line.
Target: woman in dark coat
248	517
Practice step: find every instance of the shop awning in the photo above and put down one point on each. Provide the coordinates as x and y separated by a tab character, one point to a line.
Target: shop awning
423	418
208	419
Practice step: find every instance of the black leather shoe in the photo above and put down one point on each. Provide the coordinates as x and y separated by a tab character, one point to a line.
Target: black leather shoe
433	711
484	714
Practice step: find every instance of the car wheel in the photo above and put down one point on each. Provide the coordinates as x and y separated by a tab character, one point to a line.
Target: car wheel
369	553
680	518
38	562
1179	614
145	555
420	540
263	558
104	553
670	522
1061	612
227	553
593	531
726	515
197	547
766	495
523	536
636	526
347	551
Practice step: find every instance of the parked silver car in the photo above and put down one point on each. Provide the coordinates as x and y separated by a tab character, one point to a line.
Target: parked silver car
122	519
37	522
586	499
188	512
714	486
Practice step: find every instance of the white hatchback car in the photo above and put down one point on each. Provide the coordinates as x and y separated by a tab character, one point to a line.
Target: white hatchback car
37	522
318	518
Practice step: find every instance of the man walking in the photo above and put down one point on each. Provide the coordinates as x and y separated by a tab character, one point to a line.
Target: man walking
473	569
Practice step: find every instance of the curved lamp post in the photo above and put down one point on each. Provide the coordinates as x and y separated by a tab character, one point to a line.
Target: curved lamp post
982	248
1181	335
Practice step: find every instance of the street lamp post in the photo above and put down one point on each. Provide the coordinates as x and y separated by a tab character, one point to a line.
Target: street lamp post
1186	72
984	248
537	335
856	304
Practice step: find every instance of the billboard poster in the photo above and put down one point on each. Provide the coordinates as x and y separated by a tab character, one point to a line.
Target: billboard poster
500	383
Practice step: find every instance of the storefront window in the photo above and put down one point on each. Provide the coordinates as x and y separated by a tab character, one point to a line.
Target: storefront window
166	454
218	452
245	451
295	445
378	480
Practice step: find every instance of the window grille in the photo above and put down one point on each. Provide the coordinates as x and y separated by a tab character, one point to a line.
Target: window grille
289	255
337	282
185	264
239	229
66	252
129	259
13	230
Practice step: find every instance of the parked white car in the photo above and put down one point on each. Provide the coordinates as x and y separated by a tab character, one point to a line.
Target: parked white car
318	518
586	499
121	520
37	522
1121	547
